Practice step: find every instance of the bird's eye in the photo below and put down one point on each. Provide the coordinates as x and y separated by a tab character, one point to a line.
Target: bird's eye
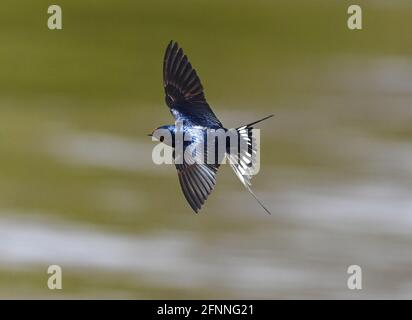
161	138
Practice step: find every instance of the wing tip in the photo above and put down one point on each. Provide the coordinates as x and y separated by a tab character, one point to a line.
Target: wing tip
173	45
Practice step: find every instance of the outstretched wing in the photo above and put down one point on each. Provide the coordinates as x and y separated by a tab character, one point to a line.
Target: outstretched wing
197	180
184	91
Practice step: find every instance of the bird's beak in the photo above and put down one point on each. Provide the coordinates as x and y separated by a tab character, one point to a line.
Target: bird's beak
150	135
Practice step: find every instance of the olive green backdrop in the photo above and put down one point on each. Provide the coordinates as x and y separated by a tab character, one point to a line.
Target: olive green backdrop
78	187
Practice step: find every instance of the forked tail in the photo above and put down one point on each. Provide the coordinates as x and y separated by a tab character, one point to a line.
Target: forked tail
243	159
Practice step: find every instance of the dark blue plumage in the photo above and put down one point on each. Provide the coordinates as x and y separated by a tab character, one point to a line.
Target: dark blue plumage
186	100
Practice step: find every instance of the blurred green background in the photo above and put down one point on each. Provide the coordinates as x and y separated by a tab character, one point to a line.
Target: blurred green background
78	187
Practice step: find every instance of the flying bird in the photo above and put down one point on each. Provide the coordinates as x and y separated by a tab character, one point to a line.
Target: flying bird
186	100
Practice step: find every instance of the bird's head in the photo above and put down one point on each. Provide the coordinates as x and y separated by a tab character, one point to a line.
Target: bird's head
163	134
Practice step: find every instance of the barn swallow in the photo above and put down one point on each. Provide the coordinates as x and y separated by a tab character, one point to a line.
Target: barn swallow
186	100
